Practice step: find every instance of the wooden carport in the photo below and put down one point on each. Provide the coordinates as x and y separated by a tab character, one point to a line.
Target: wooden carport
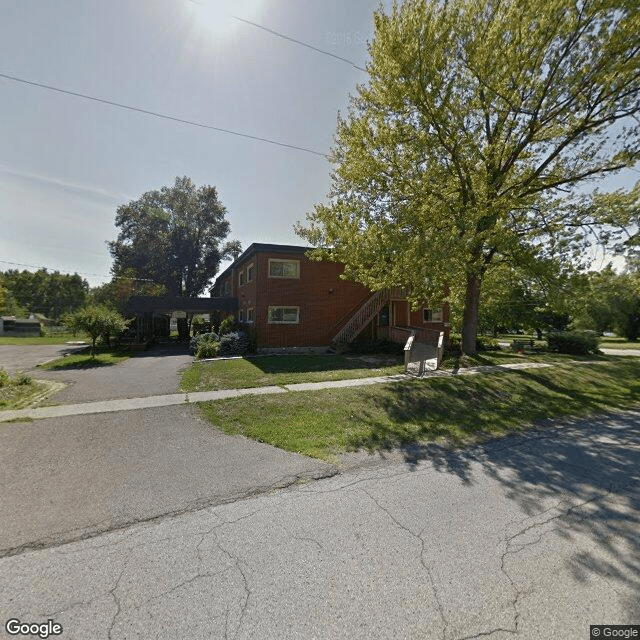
152	313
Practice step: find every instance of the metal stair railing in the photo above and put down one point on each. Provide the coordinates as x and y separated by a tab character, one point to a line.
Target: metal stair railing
362	317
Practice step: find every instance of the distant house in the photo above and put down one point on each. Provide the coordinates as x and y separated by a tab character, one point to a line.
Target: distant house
19	327
291	301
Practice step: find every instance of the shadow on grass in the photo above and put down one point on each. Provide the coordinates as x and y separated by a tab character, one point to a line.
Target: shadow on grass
314	363
587	471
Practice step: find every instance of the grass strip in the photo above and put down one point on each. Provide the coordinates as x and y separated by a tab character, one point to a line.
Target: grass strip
280	370
59	338
451	409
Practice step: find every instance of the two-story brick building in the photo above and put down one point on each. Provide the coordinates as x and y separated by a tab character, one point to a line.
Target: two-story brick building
292	301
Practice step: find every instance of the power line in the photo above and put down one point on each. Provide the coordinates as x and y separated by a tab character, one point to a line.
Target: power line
302	44
156	114
33	266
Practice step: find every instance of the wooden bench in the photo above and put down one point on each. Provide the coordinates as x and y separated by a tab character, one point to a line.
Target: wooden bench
521	345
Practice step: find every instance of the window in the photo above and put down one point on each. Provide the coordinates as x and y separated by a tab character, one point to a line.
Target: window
249	315
241	315
284	268
241	279
284	315
227	288
250	272
432	315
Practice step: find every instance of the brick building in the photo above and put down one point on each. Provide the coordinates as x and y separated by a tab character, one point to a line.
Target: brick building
292	301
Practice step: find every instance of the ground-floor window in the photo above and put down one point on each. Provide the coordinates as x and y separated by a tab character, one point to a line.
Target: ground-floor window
284	315
249	315
432	315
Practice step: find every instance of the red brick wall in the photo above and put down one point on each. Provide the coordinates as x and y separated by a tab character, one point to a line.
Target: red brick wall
324	300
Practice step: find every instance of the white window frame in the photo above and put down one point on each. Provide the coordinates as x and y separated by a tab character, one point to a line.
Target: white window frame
432	315
251	272
241	315
250	314
295	263
241	279
283	321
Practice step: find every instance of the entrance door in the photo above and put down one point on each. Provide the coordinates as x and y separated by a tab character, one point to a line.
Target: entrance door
401	314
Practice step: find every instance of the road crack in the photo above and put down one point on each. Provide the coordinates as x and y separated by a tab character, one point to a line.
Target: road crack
425	566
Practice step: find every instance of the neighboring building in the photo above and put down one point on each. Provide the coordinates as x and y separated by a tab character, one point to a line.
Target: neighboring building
292	301
19	327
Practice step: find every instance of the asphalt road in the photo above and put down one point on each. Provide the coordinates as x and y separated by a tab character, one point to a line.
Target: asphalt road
533	537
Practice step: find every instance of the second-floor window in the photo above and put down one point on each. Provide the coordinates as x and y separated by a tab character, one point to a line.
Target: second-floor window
284	268
241	279
250	273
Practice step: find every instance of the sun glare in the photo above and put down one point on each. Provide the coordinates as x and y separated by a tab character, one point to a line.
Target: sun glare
214	18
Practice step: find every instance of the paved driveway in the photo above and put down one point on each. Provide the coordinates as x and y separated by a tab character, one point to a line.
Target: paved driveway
153	372
24	357
65	478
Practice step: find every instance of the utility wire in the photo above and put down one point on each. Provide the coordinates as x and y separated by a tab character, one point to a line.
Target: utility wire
159	115
79	273
302	44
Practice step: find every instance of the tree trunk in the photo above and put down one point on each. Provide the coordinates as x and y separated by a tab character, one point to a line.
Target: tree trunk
470	315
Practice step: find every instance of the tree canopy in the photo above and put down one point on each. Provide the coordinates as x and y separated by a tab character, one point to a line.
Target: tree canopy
612	303
172	237
116	293
41	291
467	148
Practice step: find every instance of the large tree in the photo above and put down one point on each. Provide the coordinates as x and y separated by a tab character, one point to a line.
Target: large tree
480	121
172	237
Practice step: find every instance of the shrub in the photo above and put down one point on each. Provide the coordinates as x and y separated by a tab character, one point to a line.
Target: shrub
487	344
199	340
22	378
573	342
228	325
234	344
19	378
208	349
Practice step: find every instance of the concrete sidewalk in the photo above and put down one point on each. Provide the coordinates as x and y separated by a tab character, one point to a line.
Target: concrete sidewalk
130	404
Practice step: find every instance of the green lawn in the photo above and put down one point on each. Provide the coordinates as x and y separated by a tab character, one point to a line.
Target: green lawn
59	338
265	371
85	361
615	342
456	409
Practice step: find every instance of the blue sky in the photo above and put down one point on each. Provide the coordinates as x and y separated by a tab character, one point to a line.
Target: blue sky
67	163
